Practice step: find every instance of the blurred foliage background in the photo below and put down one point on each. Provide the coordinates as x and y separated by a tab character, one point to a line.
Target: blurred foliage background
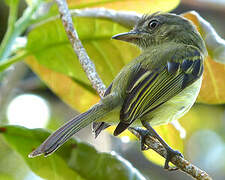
27	101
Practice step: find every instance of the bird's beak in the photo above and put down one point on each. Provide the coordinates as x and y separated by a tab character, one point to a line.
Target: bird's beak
128	36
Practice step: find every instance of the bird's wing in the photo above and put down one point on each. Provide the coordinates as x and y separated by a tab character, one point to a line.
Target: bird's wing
150	89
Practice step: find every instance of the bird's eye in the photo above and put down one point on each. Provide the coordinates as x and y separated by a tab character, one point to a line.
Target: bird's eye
153	24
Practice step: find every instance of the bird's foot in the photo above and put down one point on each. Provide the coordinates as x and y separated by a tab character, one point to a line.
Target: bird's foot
143	133
170	154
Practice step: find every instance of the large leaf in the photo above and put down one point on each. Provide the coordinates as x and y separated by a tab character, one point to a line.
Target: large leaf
75	160
54	58
11	2
141	6
55	52
24	140
65	87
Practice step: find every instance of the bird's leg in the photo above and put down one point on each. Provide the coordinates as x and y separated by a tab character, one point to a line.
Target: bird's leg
169	150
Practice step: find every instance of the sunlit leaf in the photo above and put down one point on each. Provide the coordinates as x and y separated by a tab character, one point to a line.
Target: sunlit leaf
11	2
74	160
141	6
63	86
11	165
125	133
213	85
56	63
6	177
24	141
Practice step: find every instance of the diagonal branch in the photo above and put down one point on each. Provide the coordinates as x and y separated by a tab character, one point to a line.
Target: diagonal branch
97	83
81	53
180	162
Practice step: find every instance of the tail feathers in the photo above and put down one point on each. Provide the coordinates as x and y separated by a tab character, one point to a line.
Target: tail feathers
60	136
97	127
120	128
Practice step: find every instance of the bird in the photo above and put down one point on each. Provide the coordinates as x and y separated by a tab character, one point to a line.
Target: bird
157	87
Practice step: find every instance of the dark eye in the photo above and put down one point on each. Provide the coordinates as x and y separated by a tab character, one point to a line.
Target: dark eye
153	24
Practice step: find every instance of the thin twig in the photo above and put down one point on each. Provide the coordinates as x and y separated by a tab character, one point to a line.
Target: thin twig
81	53
96	82
125	18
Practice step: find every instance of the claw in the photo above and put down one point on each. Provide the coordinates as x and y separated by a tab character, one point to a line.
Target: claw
170	154
143	134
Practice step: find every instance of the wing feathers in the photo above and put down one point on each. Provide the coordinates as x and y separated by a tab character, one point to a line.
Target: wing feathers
186	64
136	93
173	67
149	89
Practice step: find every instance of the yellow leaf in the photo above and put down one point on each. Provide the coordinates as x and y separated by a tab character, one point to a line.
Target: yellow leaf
63	86
213	85
125	133
140	6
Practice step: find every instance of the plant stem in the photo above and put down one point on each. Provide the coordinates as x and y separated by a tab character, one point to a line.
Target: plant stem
17	28
5	45
16	58
78	48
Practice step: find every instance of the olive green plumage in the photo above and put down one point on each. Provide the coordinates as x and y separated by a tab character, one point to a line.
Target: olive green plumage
158	86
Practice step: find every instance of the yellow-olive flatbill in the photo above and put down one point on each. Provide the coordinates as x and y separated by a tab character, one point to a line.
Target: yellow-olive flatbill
157	87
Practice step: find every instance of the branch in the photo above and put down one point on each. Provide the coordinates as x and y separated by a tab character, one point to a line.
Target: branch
81	53
97	84
214	43
178	161
125	18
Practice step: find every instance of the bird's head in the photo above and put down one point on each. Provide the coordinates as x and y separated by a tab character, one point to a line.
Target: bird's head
159	28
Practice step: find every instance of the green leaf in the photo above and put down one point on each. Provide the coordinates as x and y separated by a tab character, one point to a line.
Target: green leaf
11	2
24	140
16	27
55	61
74	159
54	51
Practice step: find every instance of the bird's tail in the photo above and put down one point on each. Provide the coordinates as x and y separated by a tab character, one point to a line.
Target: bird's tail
60	136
